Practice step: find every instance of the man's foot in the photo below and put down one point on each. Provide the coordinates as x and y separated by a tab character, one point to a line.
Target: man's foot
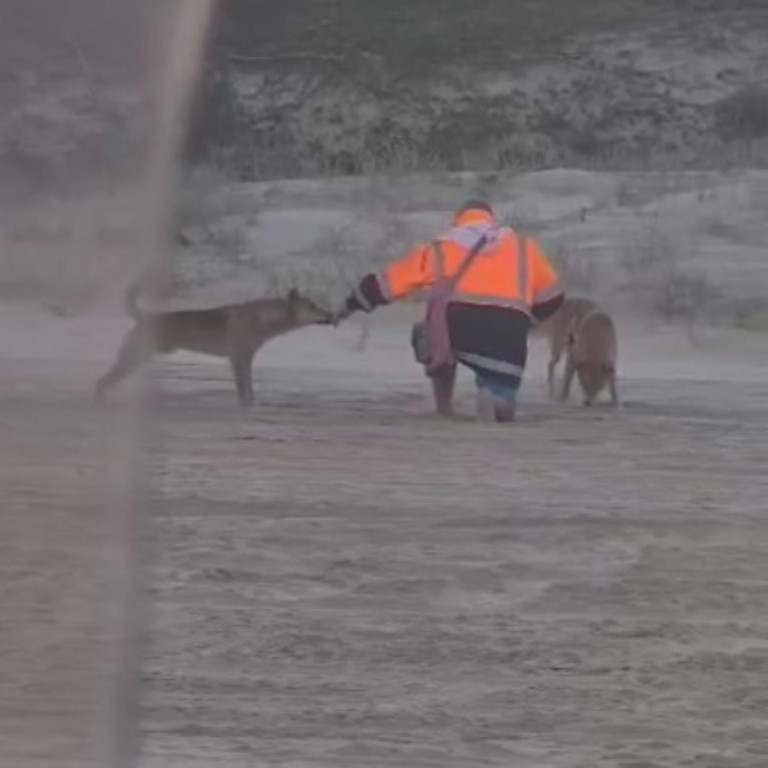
494	408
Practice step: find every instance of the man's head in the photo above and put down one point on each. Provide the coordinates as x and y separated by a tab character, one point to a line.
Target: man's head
473	212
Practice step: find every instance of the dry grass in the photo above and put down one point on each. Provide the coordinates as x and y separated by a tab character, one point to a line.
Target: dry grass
623	103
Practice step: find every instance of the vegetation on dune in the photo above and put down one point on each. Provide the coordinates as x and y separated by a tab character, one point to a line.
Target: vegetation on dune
349	87
337	87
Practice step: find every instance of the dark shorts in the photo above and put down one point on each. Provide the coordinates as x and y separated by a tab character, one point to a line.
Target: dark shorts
492	342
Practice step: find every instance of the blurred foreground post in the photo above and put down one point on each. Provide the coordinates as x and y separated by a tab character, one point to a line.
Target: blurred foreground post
94	95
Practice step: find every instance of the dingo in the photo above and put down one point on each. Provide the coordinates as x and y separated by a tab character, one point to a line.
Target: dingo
235	331
591	355
557	329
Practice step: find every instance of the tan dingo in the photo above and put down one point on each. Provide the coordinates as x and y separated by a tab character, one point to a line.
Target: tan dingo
235	331
591	355
557	329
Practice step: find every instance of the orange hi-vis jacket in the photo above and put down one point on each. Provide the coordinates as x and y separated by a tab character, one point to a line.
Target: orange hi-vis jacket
505	273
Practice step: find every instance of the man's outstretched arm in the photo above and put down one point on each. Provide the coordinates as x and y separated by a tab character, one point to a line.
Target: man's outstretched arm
395	281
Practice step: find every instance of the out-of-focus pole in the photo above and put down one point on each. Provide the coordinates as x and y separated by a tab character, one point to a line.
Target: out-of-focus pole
95	95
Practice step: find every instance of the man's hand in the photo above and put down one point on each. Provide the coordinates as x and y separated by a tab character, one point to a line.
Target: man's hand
350	306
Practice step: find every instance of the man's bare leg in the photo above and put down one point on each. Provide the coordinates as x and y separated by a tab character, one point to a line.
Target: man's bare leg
443	384
485	406
495	406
